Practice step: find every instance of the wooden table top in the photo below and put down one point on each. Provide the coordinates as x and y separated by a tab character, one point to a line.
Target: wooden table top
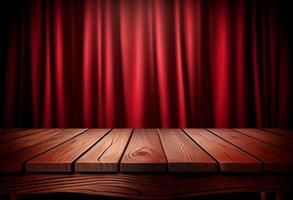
146	150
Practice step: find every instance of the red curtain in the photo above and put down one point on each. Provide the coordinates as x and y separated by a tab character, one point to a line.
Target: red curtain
146	63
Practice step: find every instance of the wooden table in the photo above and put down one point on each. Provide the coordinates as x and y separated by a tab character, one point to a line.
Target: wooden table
145	163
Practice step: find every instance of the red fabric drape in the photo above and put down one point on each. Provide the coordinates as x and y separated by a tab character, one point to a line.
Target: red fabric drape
146	63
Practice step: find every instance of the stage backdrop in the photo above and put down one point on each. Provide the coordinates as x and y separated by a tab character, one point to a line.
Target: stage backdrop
145	63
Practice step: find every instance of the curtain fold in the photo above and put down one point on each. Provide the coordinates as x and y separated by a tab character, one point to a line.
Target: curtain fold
146	63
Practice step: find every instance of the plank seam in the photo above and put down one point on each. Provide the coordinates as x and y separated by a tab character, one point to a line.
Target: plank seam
106	149
275	133
124	150
218	163
27	147
11	139
263	141
262	162
167	162
24	163
91	146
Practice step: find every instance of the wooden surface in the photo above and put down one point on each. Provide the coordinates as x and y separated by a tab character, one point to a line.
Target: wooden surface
240	160
270	138
144	153
146	150
105	155
60	158
230	158
141	186
9	130
282	132
14	134
22	142
183	155
14	162
275	159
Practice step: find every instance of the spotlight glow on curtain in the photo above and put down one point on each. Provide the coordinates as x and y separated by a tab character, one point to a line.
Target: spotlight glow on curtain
147	63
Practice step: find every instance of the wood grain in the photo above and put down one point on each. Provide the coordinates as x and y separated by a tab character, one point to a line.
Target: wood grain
145	148
61	158
183	155
230	158
24	142
137	186
274	158
283	132
18	134
9	130
268	137
106	154
144	153
14	162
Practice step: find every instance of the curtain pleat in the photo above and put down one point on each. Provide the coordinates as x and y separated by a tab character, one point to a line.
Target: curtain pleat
146	63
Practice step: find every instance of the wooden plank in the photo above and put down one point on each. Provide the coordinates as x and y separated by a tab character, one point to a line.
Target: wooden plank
21	143
144	153
9	130
283	132
265	136
61	158
274	158
229	157
105	155
183	155
142	186
18	134
14	162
